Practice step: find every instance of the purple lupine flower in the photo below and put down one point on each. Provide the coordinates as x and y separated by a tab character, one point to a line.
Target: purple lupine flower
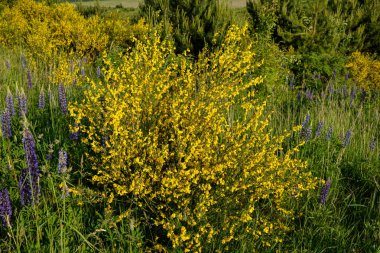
372	144
346	76
347	138
74	136
41	100
344	91
10	104
8	64
308	134
6	124
318	131
353	93
29	78
329	133
23	61
325	192
299	97
22	102
82	72
29	178
331	89
98	72
309	94
62	98
305	123
5	208
62	162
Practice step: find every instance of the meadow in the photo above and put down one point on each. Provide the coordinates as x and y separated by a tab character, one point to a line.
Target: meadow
206	130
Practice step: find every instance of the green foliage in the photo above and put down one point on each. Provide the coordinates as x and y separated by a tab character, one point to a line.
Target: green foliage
192	23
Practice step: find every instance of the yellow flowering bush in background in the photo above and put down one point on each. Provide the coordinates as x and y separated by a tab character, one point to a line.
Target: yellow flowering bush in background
187	143
46	31
365	70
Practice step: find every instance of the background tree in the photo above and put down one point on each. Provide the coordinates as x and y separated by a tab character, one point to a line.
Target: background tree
191	23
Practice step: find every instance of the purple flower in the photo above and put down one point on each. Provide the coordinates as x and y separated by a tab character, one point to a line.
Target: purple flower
372	144
29	78
331	89
309	94
98	72
82	72
10	104
41	100
306	130
319	129
62	162
23	61
62	98
8	64
299	97
6	124
29	178
329	133
347	138
22	102
344	91
5	208
325	192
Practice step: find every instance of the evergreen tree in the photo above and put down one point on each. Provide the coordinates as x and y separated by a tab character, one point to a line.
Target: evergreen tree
193	22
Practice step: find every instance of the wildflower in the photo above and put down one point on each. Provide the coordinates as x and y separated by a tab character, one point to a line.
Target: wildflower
6	124
41	100
305	130
8	64
309	94
353	95
5	208
305	123
98	72
10	104
291	83
308	133
23	61
299	97
62	162
82	72
29	78
347	138
344	91
65	190
319	129
372	144
325	192
22	100
329	133
346	76
29	178
62	98
331	89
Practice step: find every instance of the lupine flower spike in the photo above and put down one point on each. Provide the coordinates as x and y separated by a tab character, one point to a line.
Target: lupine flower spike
22	103
318	131
62	162
29	78
62	98
29	178
5	208
41	100
325	192
10	103
6	124
347	138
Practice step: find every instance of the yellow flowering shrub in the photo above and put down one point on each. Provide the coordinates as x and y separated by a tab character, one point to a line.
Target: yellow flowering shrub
46	31
365	70
187	143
